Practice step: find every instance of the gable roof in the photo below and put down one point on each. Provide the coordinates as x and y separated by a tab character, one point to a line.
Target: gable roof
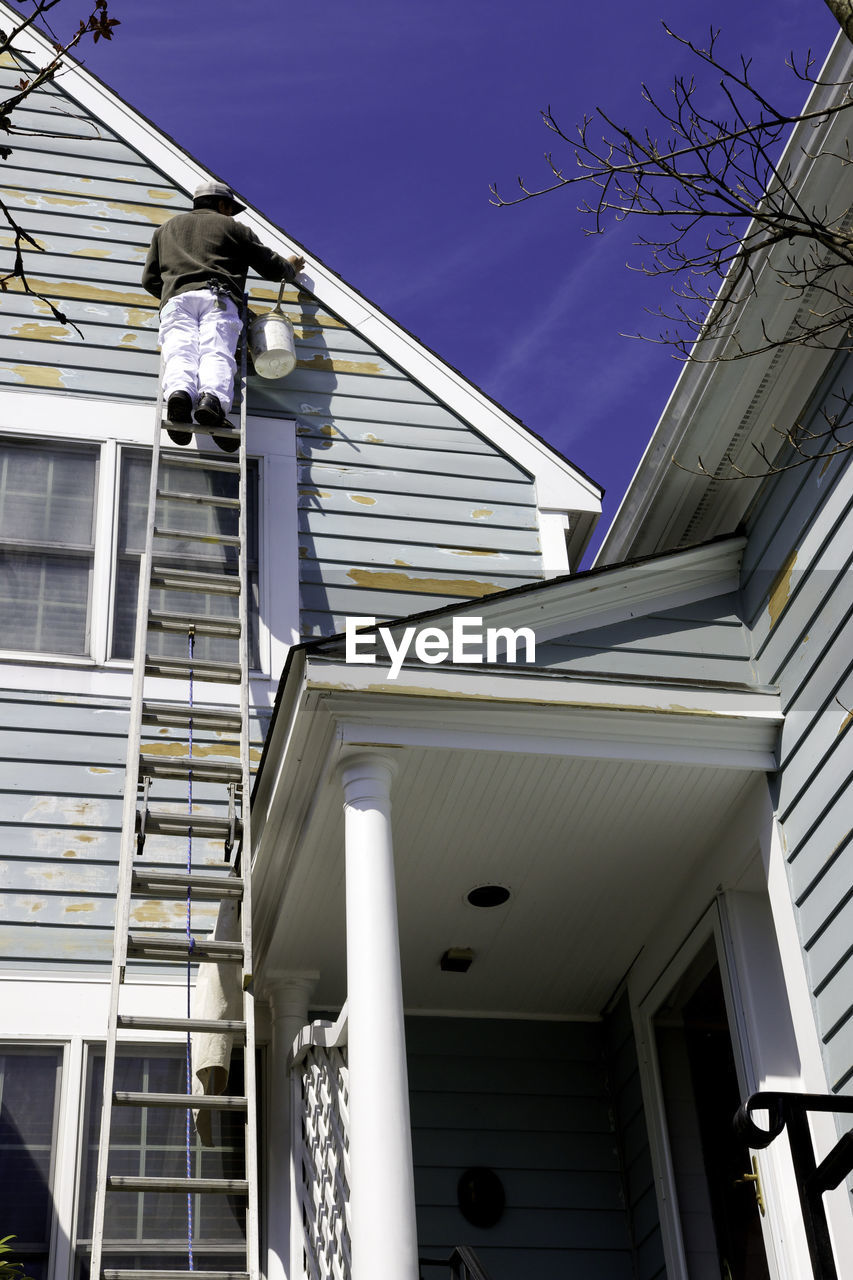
561	487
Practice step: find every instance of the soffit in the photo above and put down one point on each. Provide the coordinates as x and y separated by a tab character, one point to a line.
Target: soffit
591	849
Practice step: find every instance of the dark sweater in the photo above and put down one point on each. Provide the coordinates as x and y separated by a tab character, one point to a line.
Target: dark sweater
193	249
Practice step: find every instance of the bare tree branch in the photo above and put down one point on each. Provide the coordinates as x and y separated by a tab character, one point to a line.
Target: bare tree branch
718	198
97	24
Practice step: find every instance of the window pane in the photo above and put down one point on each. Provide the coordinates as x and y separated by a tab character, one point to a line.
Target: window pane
47	494
47	512
44	602
184	554
29	1089
151	1227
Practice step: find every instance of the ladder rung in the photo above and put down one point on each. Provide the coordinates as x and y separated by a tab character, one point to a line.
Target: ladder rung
178	668
191	1102
202	769
226	1186
135	1022
165	578
227	430
192	458
164	883
158	947
206	499
161	621
114	1273
173	713
160	822
214	539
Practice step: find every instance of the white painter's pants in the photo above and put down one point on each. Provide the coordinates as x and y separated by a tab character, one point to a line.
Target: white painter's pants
198	337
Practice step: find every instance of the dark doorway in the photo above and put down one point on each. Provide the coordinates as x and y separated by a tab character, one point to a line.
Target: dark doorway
718	1210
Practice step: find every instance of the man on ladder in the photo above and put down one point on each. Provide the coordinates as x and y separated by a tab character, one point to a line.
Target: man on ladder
197	267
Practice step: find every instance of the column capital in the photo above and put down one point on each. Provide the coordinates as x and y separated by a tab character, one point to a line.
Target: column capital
367	775
289	993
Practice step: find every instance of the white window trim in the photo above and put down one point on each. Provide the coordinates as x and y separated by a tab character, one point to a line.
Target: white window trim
113	425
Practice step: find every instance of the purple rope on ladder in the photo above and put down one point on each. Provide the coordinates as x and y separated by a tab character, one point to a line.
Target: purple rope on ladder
190	946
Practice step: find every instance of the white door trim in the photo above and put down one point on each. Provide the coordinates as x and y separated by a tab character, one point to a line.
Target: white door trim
738	936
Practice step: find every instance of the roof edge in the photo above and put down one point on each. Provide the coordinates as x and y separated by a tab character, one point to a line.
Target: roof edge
560	484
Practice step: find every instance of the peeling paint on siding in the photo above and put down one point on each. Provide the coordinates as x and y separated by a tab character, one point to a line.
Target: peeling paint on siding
178	750
9	241
86	292
327	365
41	332
141	317
384	580
780	589
36	375
362	498
481	513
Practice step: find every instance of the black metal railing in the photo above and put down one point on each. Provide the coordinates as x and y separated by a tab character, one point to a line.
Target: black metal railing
463	1264
790	1111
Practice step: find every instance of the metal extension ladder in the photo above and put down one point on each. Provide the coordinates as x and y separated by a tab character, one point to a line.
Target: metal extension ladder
210	490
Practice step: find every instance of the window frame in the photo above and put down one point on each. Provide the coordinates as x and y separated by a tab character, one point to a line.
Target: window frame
19	1047
121	449
109	424
27	547
149	1048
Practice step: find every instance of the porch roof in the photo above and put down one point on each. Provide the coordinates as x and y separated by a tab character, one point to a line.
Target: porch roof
591	798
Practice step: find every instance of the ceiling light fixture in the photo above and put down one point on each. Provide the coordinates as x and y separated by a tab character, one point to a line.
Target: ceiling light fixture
488	895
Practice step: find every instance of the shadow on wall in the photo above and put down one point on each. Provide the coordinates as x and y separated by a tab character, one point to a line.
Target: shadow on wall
307	396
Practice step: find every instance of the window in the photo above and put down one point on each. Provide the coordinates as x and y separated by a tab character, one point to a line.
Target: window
182	553
55	584
149	1229
47	544
29	1093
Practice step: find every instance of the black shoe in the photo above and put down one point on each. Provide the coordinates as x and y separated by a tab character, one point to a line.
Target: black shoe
208	411
230	444
179	408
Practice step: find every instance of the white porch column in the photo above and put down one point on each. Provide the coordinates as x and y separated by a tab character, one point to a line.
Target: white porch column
288	997
382	1193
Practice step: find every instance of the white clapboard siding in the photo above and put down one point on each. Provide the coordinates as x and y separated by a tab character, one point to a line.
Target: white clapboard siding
529	1100
798	594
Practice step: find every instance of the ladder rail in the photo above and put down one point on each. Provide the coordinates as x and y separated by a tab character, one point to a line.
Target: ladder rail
128	848
250	1084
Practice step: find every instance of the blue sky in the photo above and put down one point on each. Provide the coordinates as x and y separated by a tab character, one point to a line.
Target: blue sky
371	130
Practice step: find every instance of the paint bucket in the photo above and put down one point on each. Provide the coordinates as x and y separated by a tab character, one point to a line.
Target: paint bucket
272	343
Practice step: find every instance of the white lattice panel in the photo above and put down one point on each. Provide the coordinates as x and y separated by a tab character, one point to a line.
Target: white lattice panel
323	1167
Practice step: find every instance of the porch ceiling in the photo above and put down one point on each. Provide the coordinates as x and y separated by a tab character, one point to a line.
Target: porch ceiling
592	849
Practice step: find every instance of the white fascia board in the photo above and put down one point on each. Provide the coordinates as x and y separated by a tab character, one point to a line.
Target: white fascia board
720	727
287	790
713	403
559	485
598	599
